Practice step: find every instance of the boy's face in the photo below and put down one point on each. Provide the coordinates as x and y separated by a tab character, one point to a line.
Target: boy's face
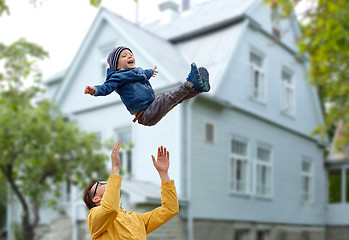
126	60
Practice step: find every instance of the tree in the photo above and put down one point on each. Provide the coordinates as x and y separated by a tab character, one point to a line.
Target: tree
325	39
39	149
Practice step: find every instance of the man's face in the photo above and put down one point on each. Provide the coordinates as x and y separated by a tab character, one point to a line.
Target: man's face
98	189
126	60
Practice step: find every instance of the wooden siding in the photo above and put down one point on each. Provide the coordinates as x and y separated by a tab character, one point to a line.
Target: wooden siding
210	170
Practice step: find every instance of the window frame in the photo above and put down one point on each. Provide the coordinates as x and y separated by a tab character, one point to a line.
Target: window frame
288	106
257	93
276	23
269	168
246	161
310	175
125	151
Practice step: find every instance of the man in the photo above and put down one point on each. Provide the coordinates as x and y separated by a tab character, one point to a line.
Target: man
106	220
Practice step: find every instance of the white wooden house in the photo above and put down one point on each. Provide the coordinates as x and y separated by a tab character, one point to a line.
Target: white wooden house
243	161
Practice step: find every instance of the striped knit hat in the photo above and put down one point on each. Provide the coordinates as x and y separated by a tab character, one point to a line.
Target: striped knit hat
114	56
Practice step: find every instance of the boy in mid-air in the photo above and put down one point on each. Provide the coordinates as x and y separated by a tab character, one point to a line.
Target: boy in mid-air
136	92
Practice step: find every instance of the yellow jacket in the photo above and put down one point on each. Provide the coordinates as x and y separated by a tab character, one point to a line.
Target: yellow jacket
111	222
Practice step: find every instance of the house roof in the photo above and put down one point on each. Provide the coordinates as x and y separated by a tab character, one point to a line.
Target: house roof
152	46
146	189
203	18
155	41
337	155
150	192
56	77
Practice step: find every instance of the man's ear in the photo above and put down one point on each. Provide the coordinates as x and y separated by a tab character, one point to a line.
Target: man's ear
96	200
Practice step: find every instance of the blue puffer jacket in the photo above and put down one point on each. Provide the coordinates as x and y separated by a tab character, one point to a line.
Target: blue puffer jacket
132	85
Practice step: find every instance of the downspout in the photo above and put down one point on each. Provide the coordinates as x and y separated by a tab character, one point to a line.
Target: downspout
189	182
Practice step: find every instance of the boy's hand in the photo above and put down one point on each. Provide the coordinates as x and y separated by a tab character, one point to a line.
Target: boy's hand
162	163
155	72
90	90
115	159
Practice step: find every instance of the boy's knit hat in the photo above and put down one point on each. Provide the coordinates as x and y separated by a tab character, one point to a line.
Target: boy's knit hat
114	56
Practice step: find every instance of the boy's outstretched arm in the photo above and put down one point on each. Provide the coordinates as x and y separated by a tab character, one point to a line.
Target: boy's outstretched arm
90	90
155	71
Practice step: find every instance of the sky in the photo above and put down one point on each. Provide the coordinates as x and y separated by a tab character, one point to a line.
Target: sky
59	26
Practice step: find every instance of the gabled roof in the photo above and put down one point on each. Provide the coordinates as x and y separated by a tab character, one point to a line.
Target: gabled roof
205	17
152	47
337	155
56	77
152	41
147	192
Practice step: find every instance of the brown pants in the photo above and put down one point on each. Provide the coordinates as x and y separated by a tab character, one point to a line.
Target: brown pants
163	103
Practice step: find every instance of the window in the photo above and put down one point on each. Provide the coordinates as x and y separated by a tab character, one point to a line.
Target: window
257	76
241	235
288	92
307	181
65	191
104	67
275	19
335	185
125	153
338	185
262	235
104	53
263	172
239	166
209	132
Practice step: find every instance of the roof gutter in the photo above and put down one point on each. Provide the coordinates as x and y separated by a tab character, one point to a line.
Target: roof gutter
232	21
322	144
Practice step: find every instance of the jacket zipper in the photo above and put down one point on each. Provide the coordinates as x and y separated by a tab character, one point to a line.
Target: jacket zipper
148	86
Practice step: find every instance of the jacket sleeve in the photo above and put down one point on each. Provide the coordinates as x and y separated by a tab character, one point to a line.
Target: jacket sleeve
149	73
99	218
168	209
108	87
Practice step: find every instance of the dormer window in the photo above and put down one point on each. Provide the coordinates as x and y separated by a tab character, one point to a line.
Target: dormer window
257	76
288	92
104	52
275	19
104	67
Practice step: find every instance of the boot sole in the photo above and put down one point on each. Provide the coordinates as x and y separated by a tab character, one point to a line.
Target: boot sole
204	75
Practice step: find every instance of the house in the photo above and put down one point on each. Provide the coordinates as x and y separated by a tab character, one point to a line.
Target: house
337	164
244	163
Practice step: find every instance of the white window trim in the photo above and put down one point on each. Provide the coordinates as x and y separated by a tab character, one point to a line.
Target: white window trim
247	160
123	152
262	91
309	174
104	67
105	49
276	21
285	86
265	164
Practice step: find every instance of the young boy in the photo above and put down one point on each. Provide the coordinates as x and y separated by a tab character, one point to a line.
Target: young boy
136	92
